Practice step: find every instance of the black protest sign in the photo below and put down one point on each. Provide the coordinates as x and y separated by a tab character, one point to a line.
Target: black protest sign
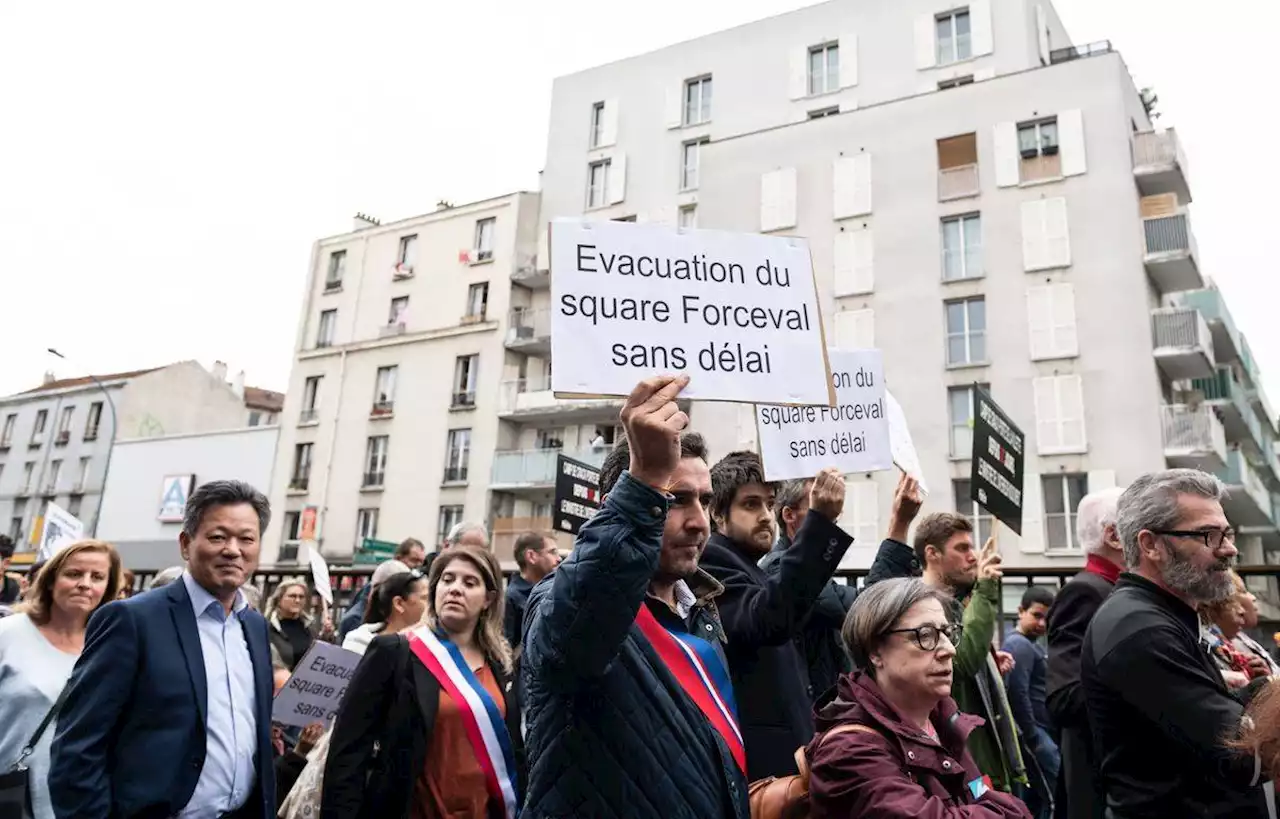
577	494
998	459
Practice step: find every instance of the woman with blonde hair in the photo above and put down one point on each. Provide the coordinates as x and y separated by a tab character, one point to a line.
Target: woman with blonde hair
440	698
290	625
38	649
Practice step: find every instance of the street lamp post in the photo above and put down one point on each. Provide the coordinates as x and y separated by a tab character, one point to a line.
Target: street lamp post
111	445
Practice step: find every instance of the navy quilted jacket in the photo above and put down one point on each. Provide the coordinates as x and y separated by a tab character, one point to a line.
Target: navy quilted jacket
609	733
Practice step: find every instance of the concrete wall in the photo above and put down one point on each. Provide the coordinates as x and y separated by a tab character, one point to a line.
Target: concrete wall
178	399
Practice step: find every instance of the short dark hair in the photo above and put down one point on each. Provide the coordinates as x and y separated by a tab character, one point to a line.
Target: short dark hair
224	493
408	545
1036	594
790	494
537	541
692	445
731	473
7	547
936	529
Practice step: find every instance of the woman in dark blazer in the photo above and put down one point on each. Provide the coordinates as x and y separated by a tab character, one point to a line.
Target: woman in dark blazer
399	748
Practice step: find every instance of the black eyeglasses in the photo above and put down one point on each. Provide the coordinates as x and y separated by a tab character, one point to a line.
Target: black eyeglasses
1212	538
926	637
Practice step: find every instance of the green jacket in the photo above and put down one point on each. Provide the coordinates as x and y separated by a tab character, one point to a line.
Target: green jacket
978	689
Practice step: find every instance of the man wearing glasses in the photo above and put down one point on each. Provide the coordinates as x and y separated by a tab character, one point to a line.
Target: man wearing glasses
1158	708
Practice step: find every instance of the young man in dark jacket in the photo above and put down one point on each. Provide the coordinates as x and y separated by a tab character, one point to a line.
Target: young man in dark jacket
536	557
612	731
10	589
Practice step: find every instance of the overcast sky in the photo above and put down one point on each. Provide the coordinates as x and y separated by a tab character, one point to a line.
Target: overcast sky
166	166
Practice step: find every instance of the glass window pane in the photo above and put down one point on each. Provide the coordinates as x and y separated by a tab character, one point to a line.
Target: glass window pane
1056	532
955	317
815	72
951	235
1049	133
833	67
1052	490
962	23
956	350
977	347
972	231
1027	138
977	314
960	404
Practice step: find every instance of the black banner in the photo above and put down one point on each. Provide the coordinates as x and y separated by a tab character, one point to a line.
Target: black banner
998	458
577	494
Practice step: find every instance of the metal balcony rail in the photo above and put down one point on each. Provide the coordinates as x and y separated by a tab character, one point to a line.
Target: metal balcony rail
1179	328
1189	429
1066	55
1168	234
958	182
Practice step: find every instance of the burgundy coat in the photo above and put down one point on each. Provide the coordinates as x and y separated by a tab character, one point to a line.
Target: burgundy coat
898	771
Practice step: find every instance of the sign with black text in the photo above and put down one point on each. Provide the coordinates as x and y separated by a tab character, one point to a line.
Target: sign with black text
998	459
315	690
577	494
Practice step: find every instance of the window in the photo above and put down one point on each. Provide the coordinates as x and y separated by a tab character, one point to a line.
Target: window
375	460
54	478
1062	495
477	300
861	515
1038	147
689	164
549	438
82	480
15	528
28	472
960	411
37	432
824	68
292	526
1046	236
301	477
255	418
824	112
458	455
310	398
73	505
384	390
961	247
597	125
697	101
856	329
6	436
484	239
956	82
1051	318
958	167
337	266
366	524
1059	407
408	255
465	370
965	505
449	517
954	42
64	423
324	332
598	184
966	331
94	420
687	217
399	312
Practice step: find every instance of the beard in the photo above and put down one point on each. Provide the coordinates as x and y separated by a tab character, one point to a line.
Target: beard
1202	585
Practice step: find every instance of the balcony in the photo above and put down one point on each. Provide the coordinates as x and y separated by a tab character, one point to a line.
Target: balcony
455	474
1066	55
536	468
1171	257
1229	398
1183	344
1249	505
1193	437
529	399
463	400
505	531
958	182
299	483
1159	165
389	330
382	409
308	416
531	272
529	330
1226	338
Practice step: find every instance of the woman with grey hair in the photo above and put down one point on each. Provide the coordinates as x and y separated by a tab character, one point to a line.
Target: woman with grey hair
891	741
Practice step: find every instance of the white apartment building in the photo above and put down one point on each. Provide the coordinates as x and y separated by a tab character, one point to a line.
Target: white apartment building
985	202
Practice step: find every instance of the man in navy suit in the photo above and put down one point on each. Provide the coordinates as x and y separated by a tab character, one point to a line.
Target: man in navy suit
168	711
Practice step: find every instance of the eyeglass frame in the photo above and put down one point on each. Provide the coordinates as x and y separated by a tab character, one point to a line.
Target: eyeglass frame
951	630
1224	535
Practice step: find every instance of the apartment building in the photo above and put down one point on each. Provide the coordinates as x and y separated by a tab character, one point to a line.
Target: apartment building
416	341
986	202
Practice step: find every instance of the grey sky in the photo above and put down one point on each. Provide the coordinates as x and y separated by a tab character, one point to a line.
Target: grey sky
165	170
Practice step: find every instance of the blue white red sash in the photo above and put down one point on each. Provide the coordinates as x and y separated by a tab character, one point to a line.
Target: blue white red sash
700	672
480	715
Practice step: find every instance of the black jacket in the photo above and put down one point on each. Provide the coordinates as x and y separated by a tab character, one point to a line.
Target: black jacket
9	590
762	615
819	639
513	615
1159	712
392	701
1080	789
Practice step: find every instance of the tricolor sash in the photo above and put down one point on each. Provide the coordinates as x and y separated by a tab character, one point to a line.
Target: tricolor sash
480	715
700	672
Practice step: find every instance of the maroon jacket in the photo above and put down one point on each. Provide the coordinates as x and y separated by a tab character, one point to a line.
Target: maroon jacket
897	771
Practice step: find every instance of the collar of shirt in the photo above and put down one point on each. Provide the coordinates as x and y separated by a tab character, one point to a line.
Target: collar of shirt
201	599
1096	564
685	599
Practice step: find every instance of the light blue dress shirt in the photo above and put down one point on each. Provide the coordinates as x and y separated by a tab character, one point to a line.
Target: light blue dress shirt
231	736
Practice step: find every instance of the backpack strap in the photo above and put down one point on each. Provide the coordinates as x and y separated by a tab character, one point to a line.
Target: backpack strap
802	761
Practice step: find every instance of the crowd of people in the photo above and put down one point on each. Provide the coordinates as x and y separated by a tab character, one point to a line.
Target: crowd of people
692	657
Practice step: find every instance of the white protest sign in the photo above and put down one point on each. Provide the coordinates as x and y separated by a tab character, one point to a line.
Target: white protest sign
853	436
900	443
315	690
60	529
737	312
320	572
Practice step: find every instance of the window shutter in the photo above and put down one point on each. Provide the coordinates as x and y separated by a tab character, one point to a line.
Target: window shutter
787	210
851	186
1045	399
861	514
798	79
1040	321
842	265
863	261
778	199
609	124
853	259
673	110
1032	539
926	47
856	329
768	201
1008	162
1057	237
1042	33
848	60
1100	479
1071	412
1071	142
1066	339
1033	235
617	179
980	27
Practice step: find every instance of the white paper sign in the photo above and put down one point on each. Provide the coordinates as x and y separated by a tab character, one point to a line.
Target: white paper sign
853	436
315	690
60	529
737	312
900	443
320	573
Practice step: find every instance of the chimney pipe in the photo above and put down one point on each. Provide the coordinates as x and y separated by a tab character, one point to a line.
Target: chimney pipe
238	385
49	377
220	371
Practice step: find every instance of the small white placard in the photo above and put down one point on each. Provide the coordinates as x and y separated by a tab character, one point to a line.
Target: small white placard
900	443
320	572
737	312
853	436
315	690
59	530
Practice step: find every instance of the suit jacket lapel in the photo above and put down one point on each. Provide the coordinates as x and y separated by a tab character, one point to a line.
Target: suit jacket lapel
184	620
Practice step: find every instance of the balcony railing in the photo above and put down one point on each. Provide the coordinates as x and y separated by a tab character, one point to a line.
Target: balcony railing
1180	328
372	480
1066	55
1209	301
537	467
527	325
1193	433
299	483
1157	149
534	395
1168	234
394	329
308	416
464	400
958	182
1238	472
455	474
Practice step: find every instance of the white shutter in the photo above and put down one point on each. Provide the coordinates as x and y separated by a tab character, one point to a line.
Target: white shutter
866	503
609	124
1008	162
851	186
1045	399
1100	479
980	27
1066	339
984	74
798	79
1071	142
617	182
1071	412
1033	235
853	256
778	199
1042	34
1032	539
1057	236
1051	317
848	60
673	110
1059	406
856	329
926	47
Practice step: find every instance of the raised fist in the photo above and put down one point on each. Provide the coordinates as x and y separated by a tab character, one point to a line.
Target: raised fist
653	421
827	495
